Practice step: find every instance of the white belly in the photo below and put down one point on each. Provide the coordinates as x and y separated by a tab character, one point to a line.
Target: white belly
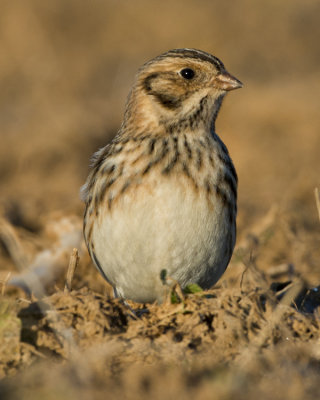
162	227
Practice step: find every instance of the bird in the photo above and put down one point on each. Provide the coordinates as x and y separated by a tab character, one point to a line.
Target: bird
162	195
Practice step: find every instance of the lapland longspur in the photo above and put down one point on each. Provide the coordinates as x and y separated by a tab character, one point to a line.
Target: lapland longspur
163	194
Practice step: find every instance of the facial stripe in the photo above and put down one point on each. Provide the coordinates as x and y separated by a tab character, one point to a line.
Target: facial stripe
168	101
190	53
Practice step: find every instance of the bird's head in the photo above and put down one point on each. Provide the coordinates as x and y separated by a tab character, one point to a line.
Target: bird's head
182	86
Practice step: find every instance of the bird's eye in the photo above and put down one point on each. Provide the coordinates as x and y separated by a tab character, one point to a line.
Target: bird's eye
187	73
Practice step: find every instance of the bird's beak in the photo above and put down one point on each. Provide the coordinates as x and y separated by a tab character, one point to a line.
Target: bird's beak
226	81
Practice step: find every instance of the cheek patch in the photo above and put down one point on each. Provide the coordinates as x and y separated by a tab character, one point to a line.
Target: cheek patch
168	101
163	93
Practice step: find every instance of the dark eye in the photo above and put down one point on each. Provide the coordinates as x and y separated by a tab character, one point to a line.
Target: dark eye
187	73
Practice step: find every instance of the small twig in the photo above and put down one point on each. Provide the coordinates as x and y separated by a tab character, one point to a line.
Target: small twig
171	286
74	259
281	269
249	353
4	283
317	195
287	299
291	294
256	275
179	291
32	349
12	243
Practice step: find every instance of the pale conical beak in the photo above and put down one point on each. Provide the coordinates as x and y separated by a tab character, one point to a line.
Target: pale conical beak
226	81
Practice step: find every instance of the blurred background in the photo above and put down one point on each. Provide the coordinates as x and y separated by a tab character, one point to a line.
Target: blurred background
67	66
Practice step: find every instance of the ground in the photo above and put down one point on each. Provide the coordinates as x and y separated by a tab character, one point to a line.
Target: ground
65	73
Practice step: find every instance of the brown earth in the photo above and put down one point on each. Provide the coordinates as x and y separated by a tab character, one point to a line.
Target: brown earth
65	70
